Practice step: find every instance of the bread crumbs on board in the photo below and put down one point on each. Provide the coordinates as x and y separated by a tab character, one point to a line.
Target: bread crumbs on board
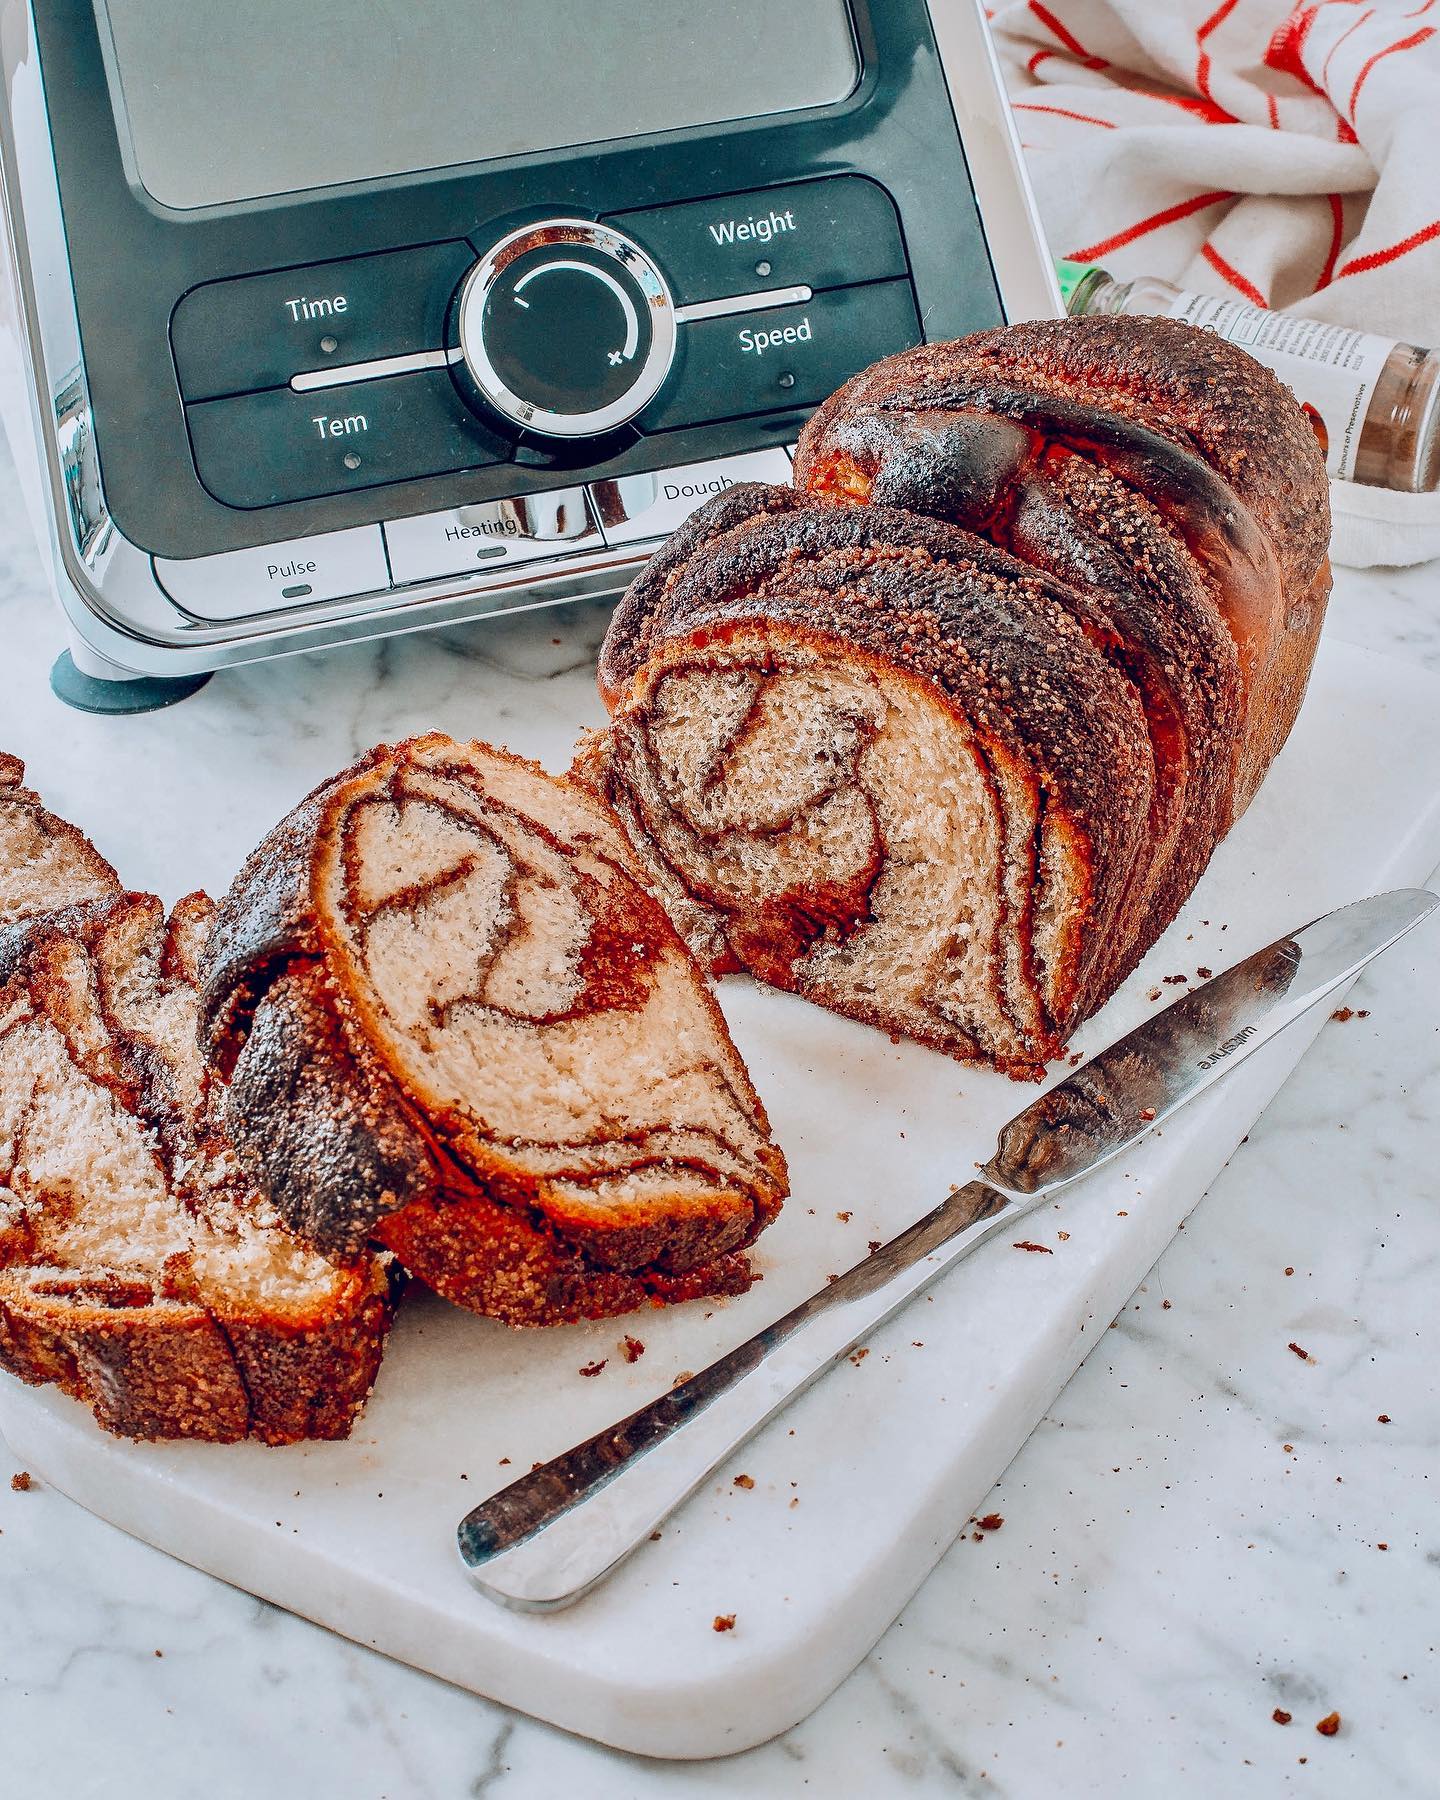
1040	1249
745	1481
594	1368
22	1481
631	1349
1329	1725
723	1622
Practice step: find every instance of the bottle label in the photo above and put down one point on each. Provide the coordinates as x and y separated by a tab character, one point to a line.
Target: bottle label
1331	370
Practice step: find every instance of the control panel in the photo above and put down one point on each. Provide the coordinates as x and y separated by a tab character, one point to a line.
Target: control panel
467	543
568	334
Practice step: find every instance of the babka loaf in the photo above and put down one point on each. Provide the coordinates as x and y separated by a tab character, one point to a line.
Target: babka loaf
454	1022
943	737
138	1269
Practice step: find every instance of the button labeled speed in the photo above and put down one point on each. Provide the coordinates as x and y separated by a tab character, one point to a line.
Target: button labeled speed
567	329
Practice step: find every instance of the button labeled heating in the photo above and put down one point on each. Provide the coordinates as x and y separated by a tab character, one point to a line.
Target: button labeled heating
491	534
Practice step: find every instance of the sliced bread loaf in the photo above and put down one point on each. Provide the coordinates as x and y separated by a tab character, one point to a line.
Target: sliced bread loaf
943	737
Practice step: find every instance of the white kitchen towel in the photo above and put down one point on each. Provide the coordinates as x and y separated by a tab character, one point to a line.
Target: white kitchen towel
1289	156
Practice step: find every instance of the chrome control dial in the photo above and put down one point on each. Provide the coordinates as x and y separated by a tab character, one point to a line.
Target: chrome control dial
567	329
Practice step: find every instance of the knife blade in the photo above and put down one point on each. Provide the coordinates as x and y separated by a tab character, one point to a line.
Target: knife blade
551	1536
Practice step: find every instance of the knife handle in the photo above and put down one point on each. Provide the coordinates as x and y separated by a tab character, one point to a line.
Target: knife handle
543	1542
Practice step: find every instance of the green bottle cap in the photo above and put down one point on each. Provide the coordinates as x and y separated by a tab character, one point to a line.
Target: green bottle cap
1071	274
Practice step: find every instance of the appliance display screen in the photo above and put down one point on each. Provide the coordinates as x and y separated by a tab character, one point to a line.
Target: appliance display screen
222	102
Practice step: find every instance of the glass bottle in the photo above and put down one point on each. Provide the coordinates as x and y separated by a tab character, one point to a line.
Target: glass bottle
1374	403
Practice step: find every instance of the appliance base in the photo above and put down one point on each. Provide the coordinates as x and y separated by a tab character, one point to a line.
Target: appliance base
118	694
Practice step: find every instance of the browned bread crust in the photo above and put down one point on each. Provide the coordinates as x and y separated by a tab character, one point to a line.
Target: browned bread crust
1202	440
45	862
138	1271
1100	544
454	1022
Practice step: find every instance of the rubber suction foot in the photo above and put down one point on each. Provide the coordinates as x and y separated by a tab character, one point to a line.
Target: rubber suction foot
146	693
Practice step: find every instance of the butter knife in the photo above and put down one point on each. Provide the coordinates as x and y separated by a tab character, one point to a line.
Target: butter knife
548	1538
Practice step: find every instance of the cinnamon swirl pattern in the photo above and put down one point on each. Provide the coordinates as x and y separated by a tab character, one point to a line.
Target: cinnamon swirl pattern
455	1023
139	1271
943	738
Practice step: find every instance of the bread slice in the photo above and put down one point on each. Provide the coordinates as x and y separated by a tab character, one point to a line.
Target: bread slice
454	1022
45	863
874	760
139	1270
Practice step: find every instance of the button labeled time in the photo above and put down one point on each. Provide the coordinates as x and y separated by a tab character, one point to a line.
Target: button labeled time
256	331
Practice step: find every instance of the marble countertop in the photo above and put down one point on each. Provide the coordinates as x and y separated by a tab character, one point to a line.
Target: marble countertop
1205	1528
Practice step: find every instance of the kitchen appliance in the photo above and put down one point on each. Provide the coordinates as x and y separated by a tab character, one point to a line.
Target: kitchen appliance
341	321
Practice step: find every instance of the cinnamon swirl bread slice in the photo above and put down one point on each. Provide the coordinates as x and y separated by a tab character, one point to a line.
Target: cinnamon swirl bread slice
874	760
45	863
138	1269
454	1022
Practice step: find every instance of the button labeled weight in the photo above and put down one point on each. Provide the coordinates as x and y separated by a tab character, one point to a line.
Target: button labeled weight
831	232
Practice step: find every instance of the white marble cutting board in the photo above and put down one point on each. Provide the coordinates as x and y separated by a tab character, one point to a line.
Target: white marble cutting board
859	1488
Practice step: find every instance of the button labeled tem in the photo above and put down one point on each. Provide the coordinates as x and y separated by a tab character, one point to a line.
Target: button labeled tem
263	449
826	233
231	337
490	535
634	507
783	356
300	572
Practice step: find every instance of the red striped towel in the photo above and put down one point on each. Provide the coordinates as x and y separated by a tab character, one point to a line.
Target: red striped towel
1287	155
